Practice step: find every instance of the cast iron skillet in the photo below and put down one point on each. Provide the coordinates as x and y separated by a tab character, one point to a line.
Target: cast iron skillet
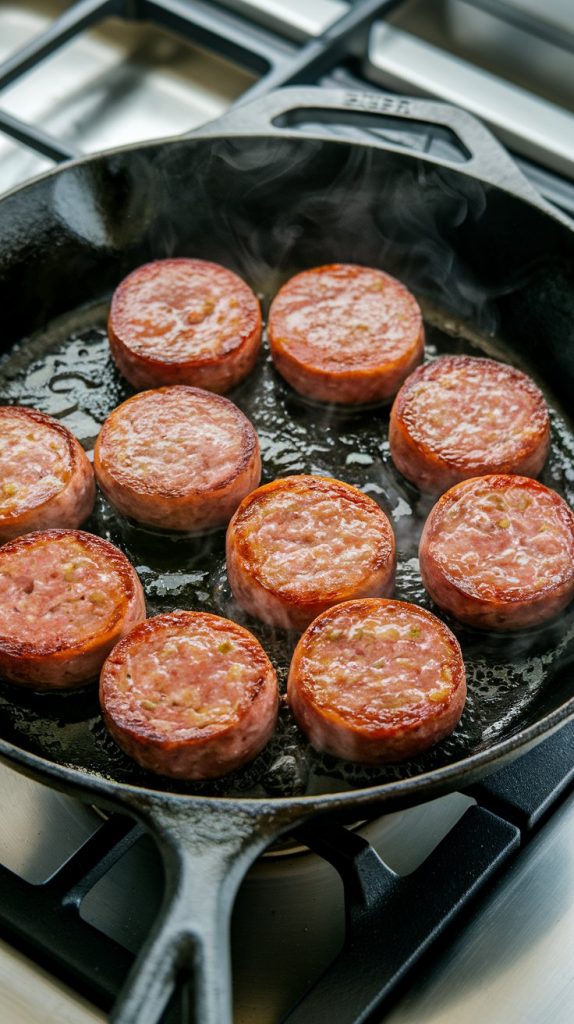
472	239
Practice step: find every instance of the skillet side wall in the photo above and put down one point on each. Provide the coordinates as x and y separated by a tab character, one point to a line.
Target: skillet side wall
268	207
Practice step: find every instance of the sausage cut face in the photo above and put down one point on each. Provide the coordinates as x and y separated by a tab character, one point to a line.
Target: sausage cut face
190	695
184	321
298	545
177	458
65	598
497	552
461	416
45	476
376	681
345	334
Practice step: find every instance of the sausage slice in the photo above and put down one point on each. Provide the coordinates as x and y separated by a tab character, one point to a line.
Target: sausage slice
184	321
376	681
497	552
66	597
462	416
345	334
178	458
299	545
189	695
45	476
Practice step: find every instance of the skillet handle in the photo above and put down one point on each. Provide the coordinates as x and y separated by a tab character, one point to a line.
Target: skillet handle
281	111
207	847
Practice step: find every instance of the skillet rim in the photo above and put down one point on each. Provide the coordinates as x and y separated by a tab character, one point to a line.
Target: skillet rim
415	789
212	131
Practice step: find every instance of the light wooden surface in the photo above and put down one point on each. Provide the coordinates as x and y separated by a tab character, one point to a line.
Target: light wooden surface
28	995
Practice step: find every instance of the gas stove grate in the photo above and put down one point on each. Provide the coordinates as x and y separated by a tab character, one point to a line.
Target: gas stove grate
205	24
329	59
391	920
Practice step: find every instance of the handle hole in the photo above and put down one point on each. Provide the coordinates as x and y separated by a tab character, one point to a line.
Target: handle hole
432	139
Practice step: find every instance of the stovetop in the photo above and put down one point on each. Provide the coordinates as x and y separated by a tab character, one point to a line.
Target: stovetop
465	907
78	893
183	62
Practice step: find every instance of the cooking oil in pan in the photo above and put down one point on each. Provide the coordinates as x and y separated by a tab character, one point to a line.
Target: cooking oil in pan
68	373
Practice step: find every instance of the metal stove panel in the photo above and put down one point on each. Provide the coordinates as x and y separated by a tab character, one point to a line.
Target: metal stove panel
512	962
296	19
39	827
116	84
529	124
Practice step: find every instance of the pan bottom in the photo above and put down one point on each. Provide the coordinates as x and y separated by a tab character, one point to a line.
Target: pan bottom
67	372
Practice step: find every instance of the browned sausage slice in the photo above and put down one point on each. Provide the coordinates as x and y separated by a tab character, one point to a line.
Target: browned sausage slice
376	681
45	476
497	552
298	545
66	597
184	321
189	695
345	334
462	416
177	458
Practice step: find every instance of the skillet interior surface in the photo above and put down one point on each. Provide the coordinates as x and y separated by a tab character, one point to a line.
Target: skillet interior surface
494	277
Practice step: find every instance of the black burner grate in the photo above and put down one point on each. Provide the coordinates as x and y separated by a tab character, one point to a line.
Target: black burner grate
391	920
329	59
208	25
